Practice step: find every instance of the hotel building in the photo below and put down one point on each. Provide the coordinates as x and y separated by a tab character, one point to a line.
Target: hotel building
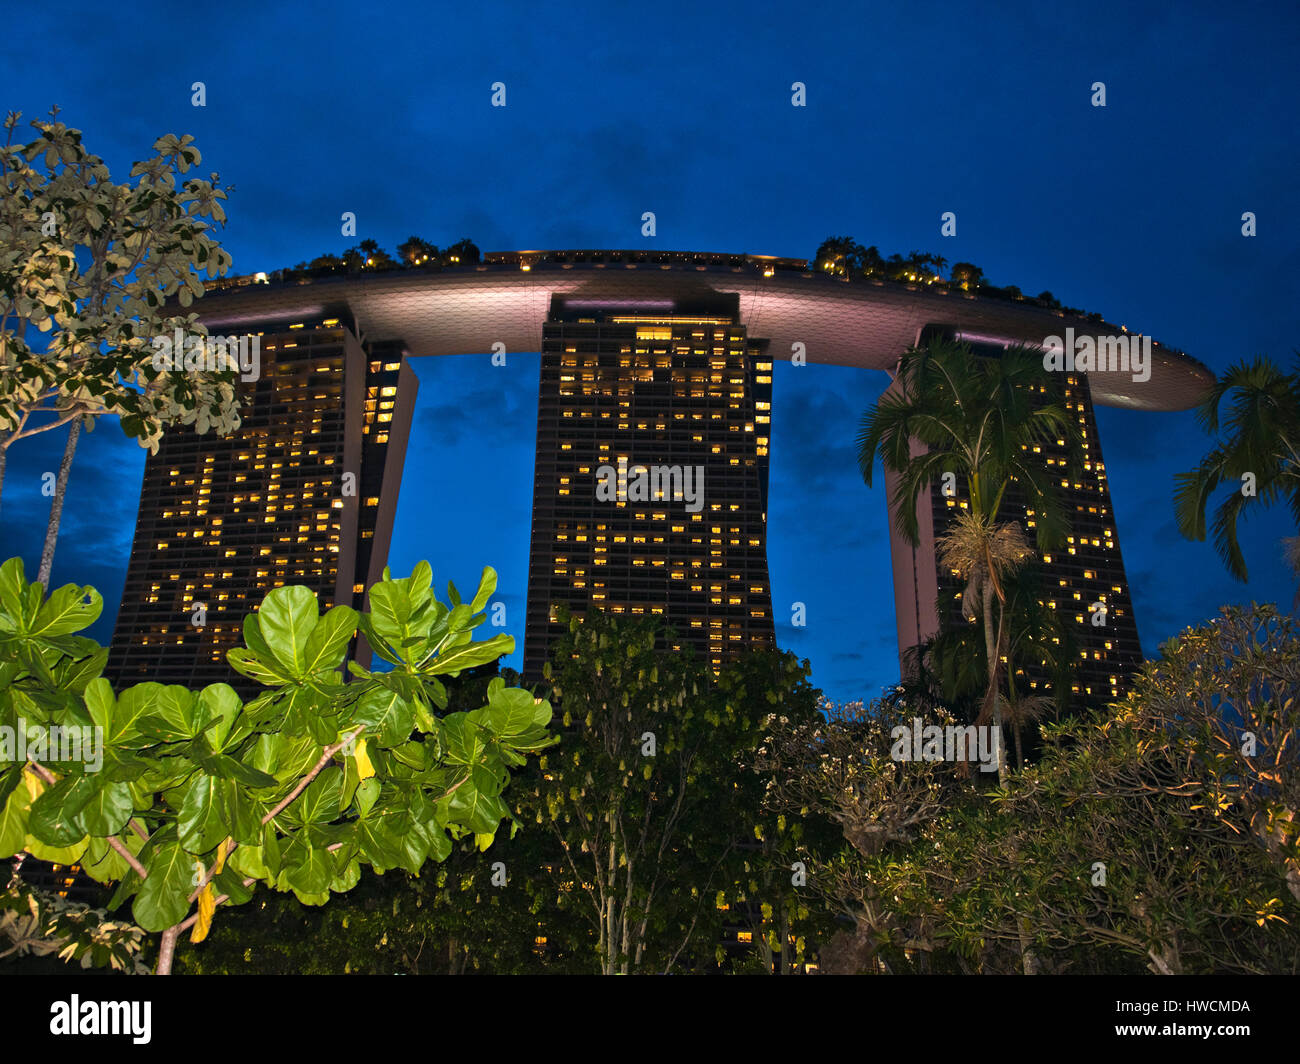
303	493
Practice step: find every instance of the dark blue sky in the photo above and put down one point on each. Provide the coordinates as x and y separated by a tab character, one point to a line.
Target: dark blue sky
684	109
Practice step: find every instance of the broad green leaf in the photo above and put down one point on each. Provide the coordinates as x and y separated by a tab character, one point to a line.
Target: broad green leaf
510	711
64	855
472	654
263	670
319	803
103	863
231	883
107	807
308	867
75	675
367	792
247	862
386	715
463	738
286	620
66	611
486	585
348	878
54	820
201	820
163	899
219	702
133	706
13	593
329	640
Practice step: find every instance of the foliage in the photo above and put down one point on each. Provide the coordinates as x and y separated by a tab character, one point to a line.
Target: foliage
452	920
414	251
840	770
93	263
842	256
972	415
199	796
513	909
1158	839
38	923
783	919
649	798
1261	440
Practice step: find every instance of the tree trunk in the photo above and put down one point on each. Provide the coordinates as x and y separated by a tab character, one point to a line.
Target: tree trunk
785	940
56	507
167	950
1028	958
4	454
990	646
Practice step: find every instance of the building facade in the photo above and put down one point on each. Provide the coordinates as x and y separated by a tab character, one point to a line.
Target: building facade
305	492
650	482
654	362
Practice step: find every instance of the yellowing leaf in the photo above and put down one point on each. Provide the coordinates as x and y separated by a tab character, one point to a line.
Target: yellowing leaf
364	768
207	906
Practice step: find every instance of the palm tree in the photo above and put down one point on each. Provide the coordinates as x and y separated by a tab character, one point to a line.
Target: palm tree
967	275
415	251
979	419
1291	551
1262	441
985	553
951	666
841	255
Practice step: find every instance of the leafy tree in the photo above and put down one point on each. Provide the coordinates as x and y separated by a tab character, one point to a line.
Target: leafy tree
326	262
967	275
1161	838
462	253
781	917
1258	455
841	770
196	797
645	796
1233	687
478	911
450	920
841	255
950	668
979	419
414	251
93	264
376	258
